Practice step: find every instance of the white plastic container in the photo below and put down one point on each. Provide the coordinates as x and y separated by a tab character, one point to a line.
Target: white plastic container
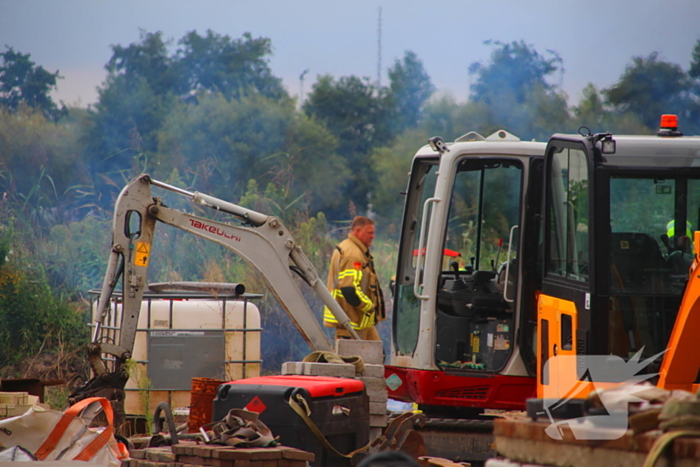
185	335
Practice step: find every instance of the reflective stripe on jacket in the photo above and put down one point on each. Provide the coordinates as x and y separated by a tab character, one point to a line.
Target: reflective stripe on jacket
353	283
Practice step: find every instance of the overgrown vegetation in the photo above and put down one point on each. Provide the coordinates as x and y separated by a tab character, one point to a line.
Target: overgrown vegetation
207	114
41	332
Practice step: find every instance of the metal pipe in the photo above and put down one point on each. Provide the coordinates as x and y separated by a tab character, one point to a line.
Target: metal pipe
216	203
172	188
233	209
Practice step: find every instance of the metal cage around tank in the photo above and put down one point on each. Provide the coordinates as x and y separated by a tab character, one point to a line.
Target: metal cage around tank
184	334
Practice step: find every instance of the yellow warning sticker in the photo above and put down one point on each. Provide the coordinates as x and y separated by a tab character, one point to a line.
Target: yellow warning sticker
143	251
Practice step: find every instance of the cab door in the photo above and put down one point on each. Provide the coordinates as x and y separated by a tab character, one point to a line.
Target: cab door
564	305
410	276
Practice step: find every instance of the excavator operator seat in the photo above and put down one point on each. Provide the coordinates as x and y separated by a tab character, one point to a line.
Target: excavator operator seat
637	263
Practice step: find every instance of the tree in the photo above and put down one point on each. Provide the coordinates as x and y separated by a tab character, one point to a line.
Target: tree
132	103
221	144
23	82
145	61
445	117
39	163
391	164
649	88
591	106
410	88
694	71
357	113
516	93
211	63
125	125
144	84
694	74
216	63
593	113
515	69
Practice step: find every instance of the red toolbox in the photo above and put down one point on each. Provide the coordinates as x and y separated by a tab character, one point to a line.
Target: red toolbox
339	407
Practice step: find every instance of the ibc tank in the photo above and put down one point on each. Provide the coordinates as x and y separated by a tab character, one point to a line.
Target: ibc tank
187	330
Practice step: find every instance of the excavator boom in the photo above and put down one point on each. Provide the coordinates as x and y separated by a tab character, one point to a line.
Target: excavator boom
679	368
263	242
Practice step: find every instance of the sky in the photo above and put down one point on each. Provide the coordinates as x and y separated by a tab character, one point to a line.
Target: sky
596	39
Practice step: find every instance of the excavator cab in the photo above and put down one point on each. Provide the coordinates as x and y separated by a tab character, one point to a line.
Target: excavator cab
463	334
615	268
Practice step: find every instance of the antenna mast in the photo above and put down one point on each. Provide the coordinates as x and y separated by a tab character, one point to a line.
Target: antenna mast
379	50
301	86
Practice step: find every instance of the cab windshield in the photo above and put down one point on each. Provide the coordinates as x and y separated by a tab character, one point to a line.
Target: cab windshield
650	256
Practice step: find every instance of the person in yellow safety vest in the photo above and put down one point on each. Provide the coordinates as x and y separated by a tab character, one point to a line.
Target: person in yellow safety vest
671	229
354	284
682	242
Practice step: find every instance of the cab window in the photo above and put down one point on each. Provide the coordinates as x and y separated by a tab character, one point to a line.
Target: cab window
568	215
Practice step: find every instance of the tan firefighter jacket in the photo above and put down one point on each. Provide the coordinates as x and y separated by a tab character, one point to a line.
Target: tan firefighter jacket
353	283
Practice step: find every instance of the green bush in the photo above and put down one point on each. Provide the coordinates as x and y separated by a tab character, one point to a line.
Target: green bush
41	332
32	319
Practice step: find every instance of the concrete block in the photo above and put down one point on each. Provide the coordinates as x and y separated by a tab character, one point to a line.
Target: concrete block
375	432
293	368
191	460
159	455
373	371
378	396
378	420
138	453
377	408
373	384
372	352
338	370
181	449
166	457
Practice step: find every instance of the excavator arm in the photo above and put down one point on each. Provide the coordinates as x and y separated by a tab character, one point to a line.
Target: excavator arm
263	242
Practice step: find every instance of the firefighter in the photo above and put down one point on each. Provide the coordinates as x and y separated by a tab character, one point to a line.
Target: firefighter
354	284
671	229
681	242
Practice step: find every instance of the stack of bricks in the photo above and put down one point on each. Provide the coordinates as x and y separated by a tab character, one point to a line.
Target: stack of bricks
189	453
13	404
372	352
